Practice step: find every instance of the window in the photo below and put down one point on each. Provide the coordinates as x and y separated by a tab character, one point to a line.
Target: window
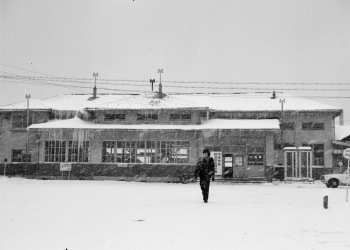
180	116
255	159
152	152
239	160
55	151
147	116
318	153
312	126
18	155
78	151
174	151
108	151
93	115
112	117
131	151
287	126
20	121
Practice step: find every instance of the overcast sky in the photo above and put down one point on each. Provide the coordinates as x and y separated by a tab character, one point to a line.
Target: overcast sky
227	40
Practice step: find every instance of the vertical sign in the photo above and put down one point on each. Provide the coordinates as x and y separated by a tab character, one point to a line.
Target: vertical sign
217	155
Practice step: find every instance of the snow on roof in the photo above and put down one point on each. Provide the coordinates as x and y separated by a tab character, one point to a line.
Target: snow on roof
237	102
33	104
146	101
257	102
341	132
77	123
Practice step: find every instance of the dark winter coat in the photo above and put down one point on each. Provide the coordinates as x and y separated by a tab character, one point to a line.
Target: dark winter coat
205	168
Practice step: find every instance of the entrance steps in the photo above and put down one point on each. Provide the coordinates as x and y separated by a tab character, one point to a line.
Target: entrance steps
296	180
241	180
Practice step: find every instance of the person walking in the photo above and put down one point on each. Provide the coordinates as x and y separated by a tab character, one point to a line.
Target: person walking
205	170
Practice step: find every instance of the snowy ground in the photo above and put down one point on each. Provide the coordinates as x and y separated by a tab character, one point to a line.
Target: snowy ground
81	215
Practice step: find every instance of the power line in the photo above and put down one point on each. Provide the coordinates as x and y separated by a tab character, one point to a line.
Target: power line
192	87
68	86
84	80
6	65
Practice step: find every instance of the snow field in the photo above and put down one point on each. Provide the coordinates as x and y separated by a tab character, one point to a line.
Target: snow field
38	214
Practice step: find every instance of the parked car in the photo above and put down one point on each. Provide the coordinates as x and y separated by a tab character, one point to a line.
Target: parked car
334	180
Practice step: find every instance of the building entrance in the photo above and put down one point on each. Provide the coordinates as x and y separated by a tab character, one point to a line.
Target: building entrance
297	162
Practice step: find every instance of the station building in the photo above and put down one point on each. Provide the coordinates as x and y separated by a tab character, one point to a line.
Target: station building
157	137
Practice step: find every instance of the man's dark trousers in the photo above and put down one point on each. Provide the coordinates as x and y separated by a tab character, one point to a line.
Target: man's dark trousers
205	183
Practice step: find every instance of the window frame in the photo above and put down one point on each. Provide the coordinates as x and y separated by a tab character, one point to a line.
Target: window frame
60	151
152	152
312	126
114	117
147	117
313	145
287	126
23	121
181	116
23	156
256	161
83	153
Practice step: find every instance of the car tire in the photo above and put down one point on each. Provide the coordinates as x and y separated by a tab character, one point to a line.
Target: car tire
334	183
328	185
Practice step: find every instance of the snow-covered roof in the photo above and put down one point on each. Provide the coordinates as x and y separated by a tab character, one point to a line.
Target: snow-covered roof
77	123
35	104
341	132
257	102
236	102
145	101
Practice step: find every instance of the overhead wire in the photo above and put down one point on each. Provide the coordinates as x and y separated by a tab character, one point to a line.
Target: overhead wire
83	80
196	87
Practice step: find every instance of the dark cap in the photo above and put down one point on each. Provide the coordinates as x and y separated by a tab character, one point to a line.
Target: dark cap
206	151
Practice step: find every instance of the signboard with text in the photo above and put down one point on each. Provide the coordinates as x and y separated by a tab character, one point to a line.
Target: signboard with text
65	166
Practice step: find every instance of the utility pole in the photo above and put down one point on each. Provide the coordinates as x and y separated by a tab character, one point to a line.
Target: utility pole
27	141
282	100
95	89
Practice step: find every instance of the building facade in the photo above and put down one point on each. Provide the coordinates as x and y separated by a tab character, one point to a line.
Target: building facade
154	137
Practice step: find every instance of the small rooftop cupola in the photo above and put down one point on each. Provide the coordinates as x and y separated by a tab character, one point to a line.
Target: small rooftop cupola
94	93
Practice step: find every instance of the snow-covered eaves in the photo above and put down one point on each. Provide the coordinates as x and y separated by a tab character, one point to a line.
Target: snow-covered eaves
341	132
77	123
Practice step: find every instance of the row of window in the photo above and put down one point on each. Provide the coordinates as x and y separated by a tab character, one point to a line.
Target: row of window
239	160
121	116
20	121
120	151
145	151
304	126
141	152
